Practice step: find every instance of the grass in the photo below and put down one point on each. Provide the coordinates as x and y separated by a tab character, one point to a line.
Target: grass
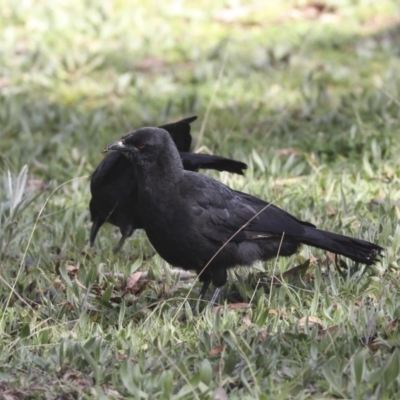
307	96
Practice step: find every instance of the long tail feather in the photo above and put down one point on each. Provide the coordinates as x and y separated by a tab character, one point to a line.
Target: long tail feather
356	249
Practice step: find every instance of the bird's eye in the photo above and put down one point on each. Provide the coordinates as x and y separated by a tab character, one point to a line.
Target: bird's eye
140	146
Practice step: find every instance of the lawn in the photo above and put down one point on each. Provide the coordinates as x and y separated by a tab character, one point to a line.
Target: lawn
307	93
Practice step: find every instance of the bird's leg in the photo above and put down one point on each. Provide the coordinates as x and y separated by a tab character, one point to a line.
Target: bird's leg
120	243
203	291
215	296
218	279
204	288
127	232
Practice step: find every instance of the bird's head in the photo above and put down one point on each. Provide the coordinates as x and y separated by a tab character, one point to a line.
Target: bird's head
148	147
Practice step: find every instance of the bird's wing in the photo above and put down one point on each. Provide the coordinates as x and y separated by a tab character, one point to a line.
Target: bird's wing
180	133
194	162
113	164
222	212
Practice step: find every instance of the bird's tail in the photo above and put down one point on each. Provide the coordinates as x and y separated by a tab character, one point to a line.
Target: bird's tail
206	161
356	249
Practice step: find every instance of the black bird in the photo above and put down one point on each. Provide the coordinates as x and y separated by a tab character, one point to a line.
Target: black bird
197	223
114	188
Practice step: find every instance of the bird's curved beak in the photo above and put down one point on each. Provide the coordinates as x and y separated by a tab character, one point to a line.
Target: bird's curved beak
118	146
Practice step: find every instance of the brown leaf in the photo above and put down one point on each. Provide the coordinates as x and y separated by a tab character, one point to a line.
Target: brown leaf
392	325
72	270
331	212
371	342
34	184
123	357
332	329
220	394
310	322
374	347
70	306
238	306
314	260
287	181
330	257
286	152
133	280
216	350
281	313
313	10
247	320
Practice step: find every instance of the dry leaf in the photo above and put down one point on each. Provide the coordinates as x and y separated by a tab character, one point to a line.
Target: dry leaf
286	152
34	184
313	10
216	350
70	306
358	303
374	347
281	313
332	329
220	394
287	181
392	325
247	320
331	212
132	280
123	357
231	307
310	322
72	270
79	283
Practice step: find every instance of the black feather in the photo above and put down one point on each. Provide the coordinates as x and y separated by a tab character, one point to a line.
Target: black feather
197	223
114	188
